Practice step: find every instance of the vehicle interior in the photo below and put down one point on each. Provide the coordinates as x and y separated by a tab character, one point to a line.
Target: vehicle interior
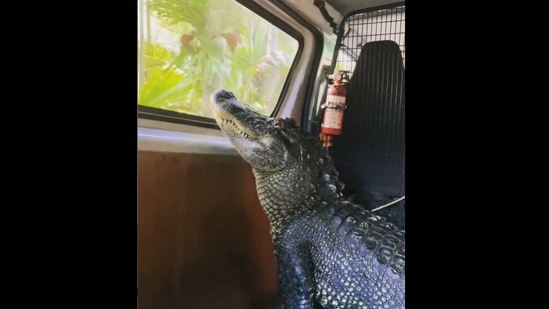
202	238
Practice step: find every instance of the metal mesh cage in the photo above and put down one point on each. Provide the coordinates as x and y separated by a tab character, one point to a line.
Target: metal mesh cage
361	28
370	152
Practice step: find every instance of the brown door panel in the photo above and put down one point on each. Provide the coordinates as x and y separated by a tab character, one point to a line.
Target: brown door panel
203	239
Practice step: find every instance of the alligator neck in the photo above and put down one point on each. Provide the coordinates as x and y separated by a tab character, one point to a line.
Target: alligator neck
286	193
280	197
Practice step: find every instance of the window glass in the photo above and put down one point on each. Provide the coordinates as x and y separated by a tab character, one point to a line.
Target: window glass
189	48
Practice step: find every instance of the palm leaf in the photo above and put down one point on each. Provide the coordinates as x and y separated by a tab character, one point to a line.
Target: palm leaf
163	87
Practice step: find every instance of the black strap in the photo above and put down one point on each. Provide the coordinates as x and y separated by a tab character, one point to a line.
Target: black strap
321	4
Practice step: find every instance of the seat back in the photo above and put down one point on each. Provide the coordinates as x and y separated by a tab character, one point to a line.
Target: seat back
370	152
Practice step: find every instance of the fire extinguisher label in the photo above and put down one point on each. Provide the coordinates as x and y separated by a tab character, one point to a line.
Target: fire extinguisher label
335	99
333	118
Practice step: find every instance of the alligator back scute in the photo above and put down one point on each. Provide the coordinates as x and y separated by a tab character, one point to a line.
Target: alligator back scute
363	228
355	259
383	238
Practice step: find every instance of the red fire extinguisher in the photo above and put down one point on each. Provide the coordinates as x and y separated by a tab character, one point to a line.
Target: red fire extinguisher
334	108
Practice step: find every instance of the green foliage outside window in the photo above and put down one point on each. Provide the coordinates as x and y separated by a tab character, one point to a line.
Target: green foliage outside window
189	48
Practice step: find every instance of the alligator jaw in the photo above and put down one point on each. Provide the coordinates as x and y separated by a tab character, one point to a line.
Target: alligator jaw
226	109
249	132
229	124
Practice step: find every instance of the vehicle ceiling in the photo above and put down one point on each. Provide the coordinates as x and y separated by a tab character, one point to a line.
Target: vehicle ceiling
337	9
347	6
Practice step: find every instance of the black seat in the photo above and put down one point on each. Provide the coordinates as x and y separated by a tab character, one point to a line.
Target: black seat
370	152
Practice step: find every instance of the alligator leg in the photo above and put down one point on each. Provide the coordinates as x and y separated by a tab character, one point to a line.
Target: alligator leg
295	275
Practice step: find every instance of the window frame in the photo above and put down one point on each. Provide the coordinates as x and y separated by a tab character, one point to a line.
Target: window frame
152	113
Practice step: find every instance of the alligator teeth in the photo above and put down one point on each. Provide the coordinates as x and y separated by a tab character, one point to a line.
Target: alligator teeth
237	128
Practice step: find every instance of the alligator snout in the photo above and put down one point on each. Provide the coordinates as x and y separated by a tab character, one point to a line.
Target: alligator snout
222	95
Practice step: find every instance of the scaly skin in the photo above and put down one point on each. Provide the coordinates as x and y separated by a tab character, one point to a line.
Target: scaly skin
330	252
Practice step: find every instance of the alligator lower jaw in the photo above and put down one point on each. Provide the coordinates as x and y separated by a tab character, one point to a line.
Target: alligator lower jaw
228	125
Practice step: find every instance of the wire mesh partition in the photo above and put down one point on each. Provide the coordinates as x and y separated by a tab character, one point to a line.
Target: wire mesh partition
361	28
370	151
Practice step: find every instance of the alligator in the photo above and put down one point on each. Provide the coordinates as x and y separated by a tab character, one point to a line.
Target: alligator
331	253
